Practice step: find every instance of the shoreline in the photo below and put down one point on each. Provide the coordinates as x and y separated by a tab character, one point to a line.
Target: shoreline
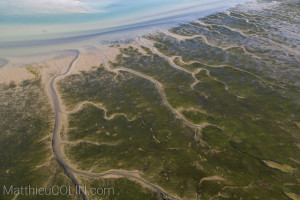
42	52
39	52
59	37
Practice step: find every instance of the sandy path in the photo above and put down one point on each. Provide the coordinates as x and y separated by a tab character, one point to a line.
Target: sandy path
112	116
60	156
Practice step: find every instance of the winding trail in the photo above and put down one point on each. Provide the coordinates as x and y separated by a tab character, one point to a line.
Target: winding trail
80	105
86	142
216	66
266	39
164	56
180	37
159	89
238	69
171	62
59	154
56	142
224	48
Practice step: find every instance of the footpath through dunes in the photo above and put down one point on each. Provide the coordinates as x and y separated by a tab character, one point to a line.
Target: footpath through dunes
57	143
80	105
27	120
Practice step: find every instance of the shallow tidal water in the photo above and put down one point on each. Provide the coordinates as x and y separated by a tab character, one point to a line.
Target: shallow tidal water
41	23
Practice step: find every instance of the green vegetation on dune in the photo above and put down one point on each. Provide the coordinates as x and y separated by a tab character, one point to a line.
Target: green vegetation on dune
218	121
26	156
148	144
251	148
197	117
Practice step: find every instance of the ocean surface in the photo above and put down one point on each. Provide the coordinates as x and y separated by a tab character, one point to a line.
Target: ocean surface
40	22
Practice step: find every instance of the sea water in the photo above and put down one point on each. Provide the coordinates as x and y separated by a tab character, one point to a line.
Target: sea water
28	23
42	19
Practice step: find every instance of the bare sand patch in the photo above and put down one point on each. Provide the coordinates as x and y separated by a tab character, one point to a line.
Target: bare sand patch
17	75
292	195
279	166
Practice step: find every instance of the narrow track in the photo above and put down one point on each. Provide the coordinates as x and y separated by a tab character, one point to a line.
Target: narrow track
59	155
56	143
